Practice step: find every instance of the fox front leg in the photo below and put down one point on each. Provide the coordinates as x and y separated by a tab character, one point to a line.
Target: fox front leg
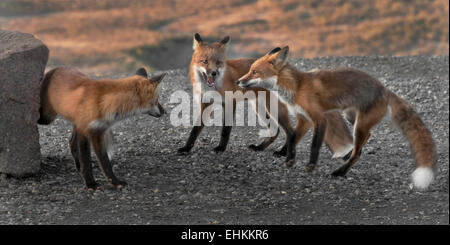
290	158
224	138
195	132
226	129
84	155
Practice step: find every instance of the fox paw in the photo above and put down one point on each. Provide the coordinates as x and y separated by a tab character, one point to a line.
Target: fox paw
118	184
289	163
340	172
219	149
255	147
310	167
184	150
280	153
93	186
347	156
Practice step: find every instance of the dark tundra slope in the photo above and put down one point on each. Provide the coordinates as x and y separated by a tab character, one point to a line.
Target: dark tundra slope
240	186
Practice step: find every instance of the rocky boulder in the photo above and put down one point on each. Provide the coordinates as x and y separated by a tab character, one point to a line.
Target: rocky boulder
22	62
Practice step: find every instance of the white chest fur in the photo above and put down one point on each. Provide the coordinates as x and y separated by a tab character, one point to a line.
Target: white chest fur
199	82
287	98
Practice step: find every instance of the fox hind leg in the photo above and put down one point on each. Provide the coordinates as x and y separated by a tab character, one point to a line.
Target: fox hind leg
361	136
46	112
46	115
363	123
98	143
85	161
73	143
337	135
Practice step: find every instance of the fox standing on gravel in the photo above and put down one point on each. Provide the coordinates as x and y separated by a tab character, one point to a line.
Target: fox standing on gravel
209	70
93	106
363	98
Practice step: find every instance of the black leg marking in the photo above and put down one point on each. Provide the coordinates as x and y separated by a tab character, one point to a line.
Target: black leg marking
341	171
73	143
195	132
224	137
290	158
105	164
85	162
361	137
319	133
259	147
282	152
347	156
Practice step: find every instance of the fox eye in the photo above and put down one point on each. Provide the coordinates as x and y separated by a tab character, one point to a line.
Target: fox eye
205	62
254	72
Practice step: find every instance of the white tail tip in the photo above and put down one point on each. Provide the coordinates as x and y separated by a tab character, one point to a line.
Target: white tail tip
422	177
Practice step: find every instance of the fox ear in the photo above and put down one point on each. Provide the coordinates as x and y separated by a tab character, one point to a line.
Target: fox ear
279	57
142	72
275	50
225	40
197	40
158	79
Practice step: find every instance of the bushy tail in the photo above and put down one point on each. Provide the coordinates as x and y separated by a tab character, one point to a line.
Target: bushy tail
419	138
46	112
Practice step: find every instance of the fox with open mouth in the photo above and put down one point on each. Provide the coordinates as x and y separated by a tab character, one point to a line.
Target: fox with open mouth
210	70
209	67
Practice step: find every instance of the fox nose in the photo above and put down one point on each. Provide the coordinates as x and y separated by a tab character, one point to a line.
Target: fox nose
213	73
238	82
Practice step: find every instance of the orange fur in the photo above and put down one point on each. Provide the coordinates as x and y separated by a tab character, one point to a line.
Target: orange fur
93	106
338	137
82	100
362	97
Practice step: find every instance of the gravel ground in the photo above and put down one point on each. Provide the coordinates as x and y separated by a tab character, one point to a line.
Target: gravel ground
240	186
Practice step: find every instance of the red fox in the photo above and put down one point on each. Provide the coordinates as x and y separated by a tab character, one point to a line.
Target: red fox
93	106
364	99
209	70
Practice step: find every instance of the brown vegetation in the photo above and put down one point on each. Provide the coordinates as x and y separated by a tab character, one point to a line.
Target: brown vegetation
110	37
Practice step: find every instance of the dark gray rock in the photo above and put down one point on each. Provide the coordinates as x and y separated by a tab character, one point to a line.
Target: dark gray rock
22	63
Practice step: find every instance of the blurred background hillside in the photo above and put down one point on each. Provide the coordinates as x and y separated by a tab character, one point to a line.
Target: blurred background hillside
105	37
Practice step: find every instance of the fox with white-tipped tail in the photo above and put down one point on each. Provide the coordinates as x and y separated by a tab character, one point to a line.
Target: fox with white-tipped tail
363	99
